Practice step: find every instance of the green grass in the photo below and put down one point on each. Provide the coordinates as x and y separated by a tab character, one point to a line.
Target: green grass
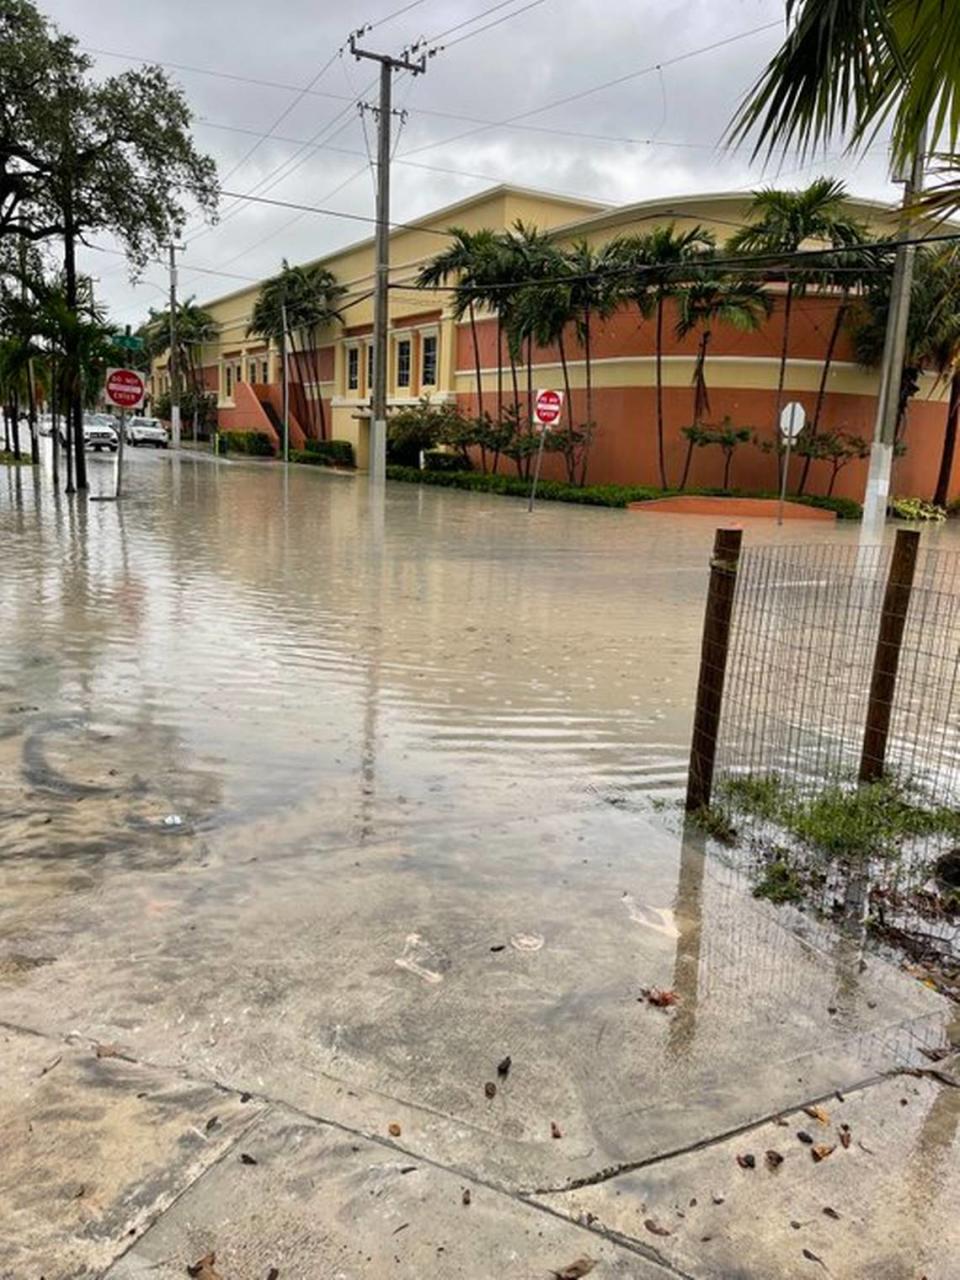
596	495
780	883
11	460
715	821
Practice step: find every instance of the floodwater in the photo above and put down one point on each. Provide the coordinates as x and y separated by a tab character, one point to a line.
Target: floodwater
340	801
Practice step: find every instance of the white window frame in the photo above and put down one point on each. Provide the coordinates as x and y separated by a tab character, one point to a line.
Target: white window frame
425	335
400	341
353	376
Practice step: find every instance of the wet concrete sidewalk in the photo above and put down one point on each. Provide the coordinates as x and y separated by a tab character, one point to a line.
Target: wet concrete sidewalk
296	853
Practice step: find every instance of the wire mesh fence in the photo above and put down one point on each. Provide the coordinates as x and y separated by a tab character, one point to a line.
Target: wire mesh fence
809	629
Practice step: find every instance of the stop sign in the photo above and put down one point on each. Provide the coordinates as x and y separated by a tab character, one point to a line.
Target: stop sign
125	388
547	407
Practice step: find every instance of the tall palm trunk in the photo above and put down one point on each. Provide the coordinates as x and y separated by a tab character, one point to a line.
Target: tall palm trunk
659	357
15	415
476	357
499	372
32	414
530	382
515	380
686	464
784	349
942	493
701	398
835	331
588	375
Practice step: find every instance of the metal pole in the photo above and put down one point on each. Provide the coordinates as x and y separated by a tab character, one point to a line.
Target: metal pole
173	362
123	431
286	385
378	416
894	351
783	482
536	469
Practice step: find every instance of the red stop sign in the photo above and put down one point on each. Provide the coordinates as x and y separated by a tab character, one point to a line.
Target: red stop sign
125	388
547	407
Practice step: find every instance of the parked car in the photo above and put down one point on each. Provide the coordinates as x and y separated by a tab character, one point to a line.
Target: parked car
98	433
146	431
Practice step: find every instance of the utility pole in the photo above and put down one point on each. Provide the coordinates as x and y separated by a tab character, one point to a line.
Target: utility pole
173	361
378	414
894	351
286	384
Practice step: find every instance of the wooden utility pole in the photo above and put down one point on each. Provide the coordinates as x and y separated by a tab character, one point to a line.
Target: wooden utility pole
886	660
713	666
378	414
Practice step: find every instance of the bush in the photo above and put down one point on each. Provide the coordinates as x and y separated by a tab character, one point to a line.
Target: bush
326	453
595	495
255	444
916	509
438	460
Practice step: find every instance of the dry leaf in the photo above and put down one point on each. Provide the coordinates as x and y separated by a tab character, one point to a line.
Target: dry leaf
820	1151
659	998
747	1162
394	1130
774	1159
273	1273
846	1137
804	1136
490	1089
812	1257
653	1226
818	1113
247	1159
466	1197
503	1068
580	1267
203	1268
831	1213
555	1131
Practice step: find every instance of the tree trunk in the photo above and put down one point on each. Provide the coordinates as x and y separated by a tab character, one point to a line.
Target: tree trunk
54	423
476	359
659	357
72	353
530	382
686	465
32	415
784	349
726	468
499	372
516	385
942	494
828	360
701	401
588	374
16	426
833	481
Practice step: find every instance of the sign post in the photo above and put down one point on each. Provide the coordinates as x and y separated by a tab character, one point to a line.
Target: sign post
124	388
547	408
792	421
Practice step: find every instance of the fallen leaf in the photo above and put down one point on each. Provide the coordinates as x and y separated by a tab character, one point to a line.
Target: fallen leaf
580	1267
212	1123
203	1268
774	1159
503	1068
394	1130
501	946
273	1273
845	1138
747	1161
784	1124
818	1113
804	1136
245	1159
555	1131
820	1151
50	1065
812	1257
466	1197
490	1089
245	1097
655	1228
659	998
108	1050
831	1213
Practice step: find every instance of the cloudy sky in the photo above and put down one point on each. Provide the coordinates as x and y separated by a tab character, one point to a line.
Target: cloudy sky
644	119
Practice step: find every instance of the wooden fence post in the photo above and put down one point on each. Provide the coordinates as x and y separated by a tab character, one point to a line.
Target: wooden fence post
713	666
886	660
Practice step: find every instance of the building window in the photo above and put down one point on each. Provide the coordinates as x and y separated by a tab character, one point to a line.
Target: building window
353	368
429	375
403	362
238	375
228	382
253	371
266	371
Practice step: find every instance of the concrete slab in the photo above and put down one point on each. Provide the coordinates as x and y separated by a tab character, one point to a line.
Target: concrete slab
366	984
885	1208
94	1148
322	1203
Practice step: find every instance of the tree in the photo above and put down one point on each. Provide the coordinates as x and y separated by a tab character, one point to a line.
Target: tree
847	66
111	155
714	299
650	270
593	296
781	222
726	436
195	329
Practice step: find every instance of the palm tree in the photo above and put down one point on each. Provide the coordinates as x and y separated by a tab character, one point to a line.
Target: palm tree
594	295
849	65
783	221
650	268
707	301
529	260
196	328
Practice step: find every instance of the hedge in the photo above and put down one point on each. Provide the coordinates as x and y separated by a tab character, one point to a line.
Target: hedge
326	453
596	495
255	444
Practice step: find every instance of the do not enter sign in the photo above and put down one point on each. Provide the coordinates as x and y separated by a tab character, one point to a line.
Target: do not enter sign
547	407
125	388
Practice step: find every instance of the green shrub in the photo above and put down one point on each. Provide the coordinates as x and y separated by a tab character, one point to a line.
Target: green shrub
256	444
326	453
438	460
916	509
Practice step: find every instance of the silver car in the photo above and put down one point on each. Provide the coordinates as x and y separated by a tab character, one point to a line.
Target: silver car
98	433
146	431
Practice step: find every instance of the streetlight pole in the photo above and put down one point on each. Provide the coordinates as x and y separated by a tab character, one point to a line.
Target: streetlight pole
173	363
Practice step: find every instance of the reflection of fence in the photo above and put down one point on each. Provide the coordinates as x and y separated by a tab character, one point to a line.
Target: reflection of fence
829	664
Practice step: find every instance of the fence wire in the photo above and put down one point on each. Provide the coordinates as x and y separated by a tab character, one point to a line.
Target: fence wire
803	640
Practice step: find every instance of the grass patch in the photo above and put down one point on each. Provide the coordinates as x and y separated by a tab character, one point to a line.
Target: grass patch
780	883
595	495
715	821
8	459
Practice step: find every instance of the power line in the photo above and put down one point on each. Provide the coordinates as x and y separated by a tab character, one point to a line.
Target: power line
533	4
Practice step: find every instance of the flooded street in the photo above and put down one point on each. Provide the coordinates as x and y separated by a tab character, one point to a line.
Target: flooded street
322	809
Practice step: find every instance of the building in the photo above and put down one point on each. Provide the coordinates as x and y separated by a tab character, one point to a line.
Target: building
432	355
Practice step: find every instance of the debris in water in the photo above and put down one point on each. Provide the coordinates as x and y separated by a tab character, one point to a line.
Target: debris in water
245	1097
501	946
466	1197
747	1161
718	1198
781	1122
555	1130
503	1067
658	997
173	820
846	1137
774	1159
804	1136
50	1065
580	1267
812	1257
820	1151
273	1273
490	1089
818	1113
655	1228
831	1213
203	1268
394	1130
246	1159
212	1123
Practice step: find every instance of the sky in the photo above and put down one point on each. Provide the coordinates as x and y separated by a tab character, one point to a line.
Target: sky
486	111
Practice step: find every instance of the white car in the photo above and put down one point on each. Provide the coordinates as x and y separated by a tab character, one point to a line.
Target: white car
98	432
146	431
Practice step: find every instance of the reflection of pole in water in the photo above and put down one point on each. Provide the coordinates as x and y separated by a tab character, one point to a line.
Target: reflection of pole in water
688	914
376	497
